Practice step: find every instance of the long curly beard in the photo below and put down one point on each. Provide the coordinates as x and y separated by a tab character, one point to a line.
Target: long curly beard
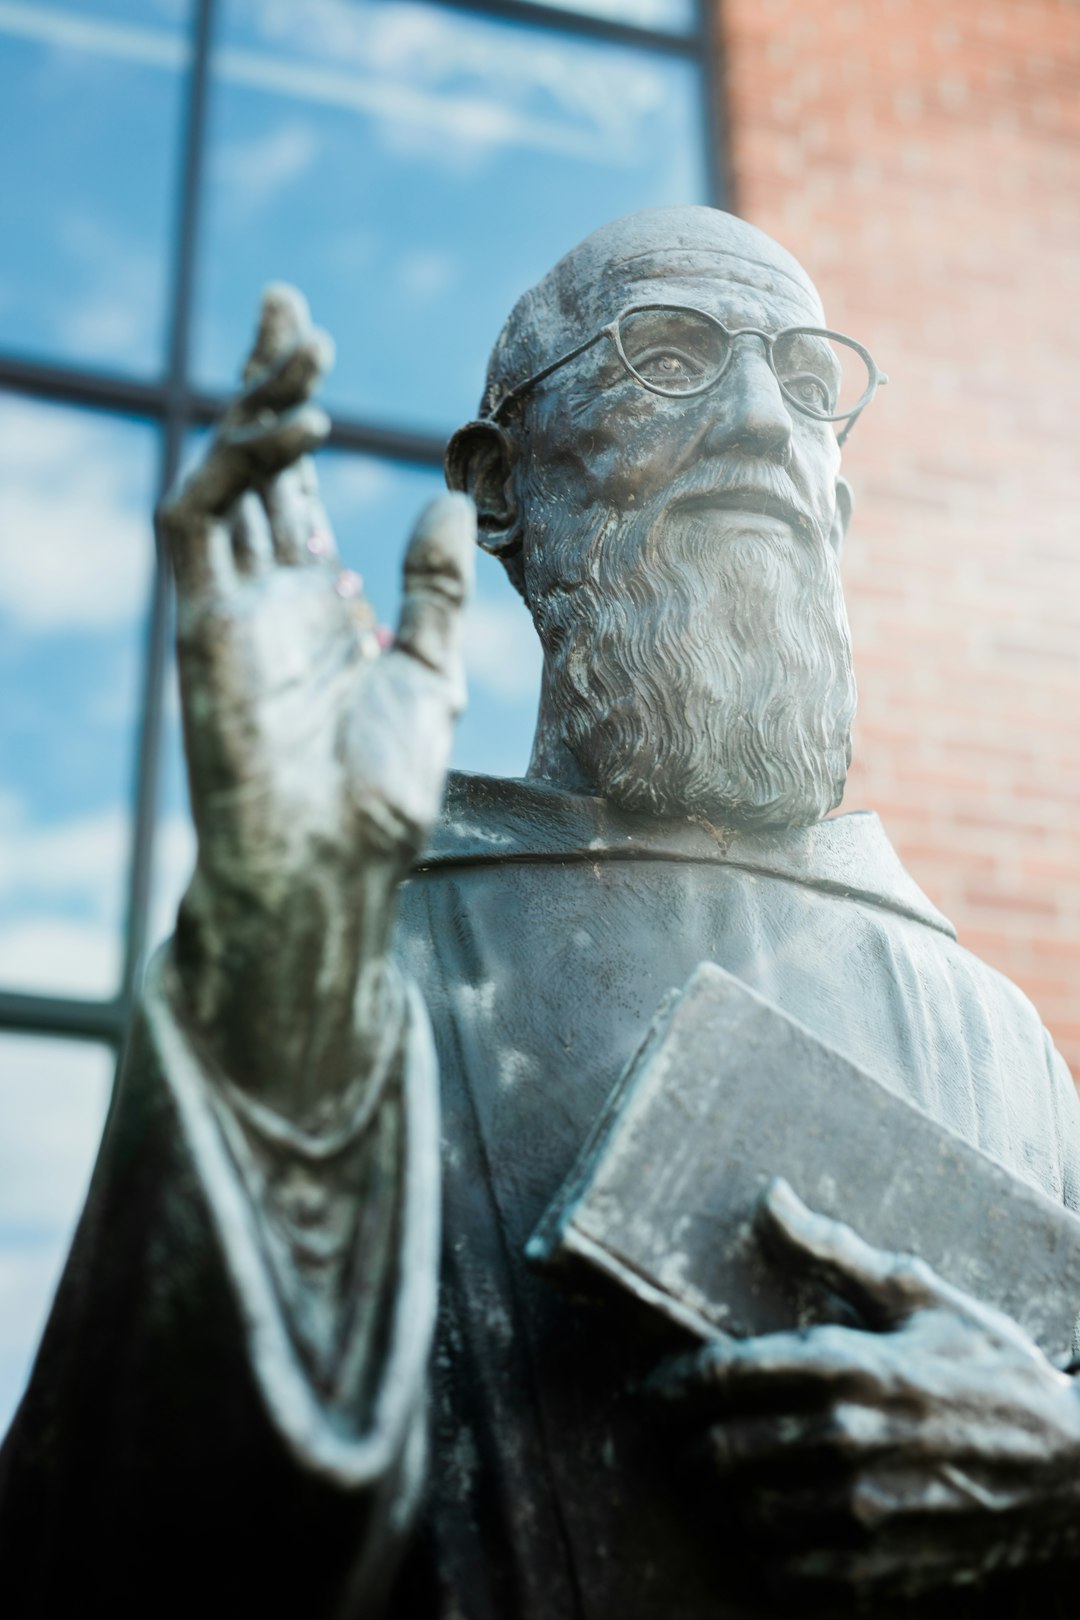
698	666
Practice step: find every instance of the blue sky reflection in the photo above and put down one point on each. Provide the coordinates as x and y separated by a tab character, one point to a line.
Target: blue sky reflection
414	169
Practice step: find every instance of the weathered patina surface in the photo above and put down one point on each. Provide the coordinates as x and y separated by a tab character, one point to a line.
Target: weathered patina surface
234	1409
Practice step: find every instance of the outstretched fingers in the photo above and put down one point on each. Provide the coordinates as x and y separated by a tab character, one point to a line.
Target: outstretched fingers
288	361
292	379
258	450
298	525
284	319
199	548
195	520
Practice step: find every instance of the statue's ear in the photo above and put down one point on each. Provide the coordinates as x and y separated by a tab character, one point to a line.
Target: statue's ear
845	502
479	462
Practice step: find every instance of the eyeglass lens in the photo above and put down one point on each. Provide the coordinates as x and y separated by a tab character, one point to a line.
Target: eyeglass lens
679	351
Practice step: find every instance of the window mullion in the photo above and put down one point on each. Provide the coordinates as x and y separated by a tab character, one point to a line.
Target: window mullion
177	420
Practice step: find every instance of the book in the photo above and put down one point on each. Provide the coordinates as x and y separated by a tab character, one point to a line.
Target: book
727	1092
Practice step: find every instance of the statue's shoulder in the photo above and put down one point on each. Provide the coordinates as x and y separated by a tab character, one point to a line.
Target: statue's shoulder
491	818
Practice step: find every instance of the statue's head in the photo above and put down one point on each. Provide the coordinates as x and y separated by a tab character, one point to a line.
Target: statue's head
667	499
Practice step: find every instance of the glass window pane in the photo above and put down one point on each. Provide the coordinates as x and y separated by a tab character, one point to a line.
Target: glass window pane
76	551
53	1096
414	169
90	101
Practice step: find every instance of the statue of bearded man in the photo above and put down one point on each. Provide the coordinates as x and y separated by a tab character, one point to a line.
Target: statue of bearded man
236	1407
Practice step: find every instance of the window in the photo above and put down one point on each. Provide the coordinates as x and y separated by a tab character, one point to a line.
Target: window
413	165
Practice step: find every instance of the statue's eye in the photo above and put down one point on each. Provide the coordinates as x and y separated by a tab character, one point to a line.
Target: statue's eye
679	351
810	390
669	367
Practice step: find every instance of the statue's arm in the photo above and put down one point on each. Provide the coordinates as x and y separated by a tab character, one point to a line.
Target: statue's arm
231	1385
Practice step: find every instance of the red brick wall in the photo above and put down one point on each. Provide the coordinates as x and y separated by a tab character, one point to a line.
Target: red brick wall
922	158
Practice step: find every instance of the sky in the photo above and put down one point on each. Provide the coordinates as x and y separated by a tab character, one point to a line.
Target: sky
413	169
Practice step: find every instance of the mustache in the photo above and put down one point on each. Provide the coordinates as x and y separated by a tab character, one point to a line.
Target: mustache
763	488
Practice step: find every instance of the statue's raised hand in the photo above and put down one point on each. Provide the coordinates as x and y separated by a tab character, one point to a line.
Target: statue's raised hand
316	760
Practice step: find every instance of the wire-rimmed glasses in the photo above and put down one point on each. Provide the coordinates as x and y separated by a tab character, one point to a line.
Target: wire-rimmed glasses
681	352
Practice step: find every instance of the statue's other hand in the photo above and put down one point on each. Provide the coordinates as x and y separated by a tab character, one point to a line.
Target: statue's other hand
316	759
935	1447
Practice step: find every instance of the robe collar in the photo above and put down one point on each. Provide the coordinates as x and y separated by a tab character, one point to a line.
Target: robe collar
491	818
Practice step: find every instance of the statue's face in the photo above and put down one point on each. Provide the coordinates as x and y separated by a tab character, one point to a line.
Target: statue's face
679	554
614	446
680	560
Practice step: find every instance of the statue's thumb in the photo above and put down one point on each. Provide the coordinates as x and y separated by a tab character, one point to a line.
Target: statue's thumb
439	568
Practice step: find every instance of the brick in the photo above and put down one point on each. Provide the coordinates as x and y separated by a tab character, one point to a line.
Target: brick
918	156
1027	902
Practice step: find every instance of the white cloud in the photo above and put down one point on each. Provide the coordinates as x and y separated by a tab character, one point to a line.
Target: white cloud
112	702
171	698
107	323
427	272
52	1103
28	1279
61	898
255	172
54	25
351	485
522	88
60	956
468	86
118	313
456	91
353	248
78	858
327	27
75	527
502	653
645	13
53	1096
62	893
174	861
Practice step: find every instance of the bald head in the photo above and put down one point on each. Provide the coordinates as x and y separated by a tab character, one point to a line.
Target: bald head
633	260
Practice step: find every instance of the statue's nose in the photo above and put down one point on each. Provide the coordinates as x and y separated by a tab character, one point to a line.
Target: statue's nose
749	412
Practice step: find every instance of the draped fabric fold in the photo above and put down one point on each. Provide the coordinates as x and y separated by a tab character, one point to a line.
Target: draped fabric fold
181	1448
172	1453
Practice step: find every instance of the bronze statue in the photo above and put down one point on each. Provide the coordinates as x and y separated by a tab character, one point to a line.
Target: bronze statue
261	1391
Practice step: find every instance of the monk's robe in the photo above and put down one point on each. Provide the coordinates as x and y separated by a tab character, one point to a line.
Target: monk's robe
174	1408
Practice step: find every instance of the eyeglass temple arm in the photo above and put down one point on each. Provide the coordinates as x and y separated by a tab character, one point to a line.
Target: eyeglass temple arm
841	437
879	382
545	371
